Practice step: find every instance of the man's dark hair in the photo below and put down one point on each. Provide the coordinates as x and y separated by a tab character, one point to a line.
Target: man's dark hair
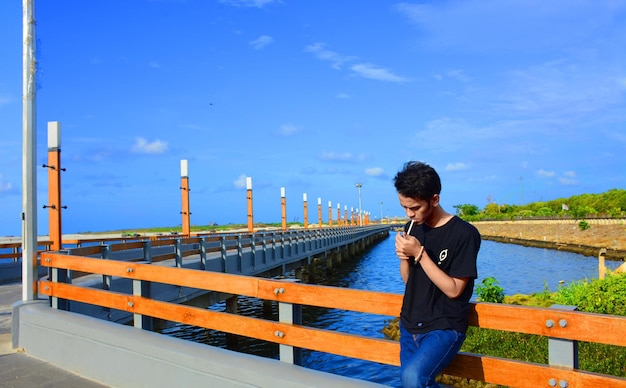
417	180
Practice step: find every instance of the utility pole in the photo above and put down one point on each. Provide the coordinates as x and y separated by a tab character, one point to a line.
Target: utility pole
29	154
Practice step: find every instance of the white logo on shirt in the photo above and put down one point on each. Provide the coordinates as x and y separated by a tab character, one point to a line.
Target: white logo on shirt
443	255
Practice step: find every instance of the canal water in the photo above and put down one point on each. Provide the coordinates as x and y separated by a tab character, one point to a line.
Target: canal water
518	269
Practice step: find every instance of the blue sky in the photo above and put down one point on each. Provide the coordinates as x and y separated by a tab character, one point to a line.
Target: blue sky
512	101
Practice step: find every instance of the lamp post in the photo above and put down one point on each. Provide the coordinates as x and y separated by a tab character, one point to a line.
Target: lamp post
358	186
381	212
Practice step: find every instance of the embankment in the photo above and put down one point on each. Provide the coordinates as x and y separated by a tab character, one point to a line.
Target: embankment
563	235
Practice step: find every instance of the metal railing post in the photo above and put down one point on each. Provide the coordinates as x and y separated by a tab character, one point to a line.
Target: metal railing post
202	248
223	252
264	247
291	314
253	249
59	275
105	252
239	253
147	247
178	247
274	246
142	288
562	352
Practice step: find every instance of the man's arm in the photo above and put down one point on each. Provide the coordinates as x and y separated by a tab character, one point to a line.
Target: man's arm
404	260
407	246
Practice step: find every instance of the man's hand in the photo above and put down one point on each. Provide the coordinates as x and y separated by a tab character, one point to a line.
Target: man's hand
406	246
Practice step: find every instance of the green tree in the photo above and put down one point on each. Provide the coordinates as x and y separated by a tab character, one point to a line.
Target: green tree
545	212
466	210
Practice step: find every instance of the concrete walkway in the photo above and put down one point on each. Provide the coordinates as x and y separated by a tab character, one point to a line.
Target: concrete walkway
17	369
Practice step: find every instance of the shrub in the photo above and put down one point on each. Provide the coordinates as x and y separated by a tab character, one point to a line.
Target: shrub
602	296
490	291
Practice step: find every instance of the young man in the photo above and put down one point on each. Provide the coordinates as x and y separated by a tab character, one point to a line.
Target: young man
437	255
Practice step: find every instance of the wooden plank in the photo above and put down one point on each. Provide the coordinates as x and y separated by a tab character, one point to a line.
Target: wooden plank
534	320
166	256
343	344
163	242
382	303
84	251
10	255
524	374
126	246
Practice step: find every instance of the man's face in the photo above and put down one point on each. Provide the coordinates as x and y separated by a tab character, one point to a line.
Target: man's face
418	210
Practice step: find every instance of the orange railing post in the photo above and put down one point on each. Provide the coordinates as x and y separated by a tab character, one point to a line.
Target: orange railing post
330	213
283	207
319	211
249	197
184	188
339	222
306	211
54	185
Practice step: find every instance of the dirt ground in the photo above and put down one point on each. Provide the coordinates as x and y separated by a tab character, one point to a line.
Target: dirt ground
610	234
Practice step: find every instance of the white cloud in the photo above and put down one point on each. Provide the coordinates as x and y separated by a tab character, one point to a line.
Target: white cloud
569	179
240	182
5	186
154	65
374	171
319	50
261	42
330	156
142	146
5	100
364	70
456	167
486	178
545	174
336	156
370	71
289	129
343	96
249	3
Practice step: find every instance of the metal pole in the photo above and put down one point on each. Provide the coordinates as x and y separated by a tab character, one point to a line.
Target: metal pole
29	154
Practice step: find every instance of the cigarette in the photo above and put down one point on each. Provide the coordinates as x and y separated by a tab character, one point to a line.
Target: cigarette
408	232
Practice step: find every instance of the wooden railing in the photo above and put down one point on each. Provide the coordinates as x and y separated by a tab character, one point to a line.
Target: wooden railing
554	323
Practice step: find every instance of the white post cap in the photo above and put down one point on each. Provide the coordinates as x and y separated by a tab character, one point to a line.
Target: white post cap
54	134
184	168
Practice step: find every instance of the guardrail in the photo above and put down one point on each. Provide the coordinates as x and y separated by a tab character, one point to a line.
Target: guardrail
560	324
236	250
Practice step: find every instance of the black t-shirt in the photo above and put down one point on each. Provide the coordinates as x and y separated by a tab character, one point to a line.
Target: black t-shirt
454	247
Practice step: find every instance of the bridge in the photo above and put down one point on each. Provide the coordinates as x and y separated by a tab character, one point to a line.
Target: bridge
129	355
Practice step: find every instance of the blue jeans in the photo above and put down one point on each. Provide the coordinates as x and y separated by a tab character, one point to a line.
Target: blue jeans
423	356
